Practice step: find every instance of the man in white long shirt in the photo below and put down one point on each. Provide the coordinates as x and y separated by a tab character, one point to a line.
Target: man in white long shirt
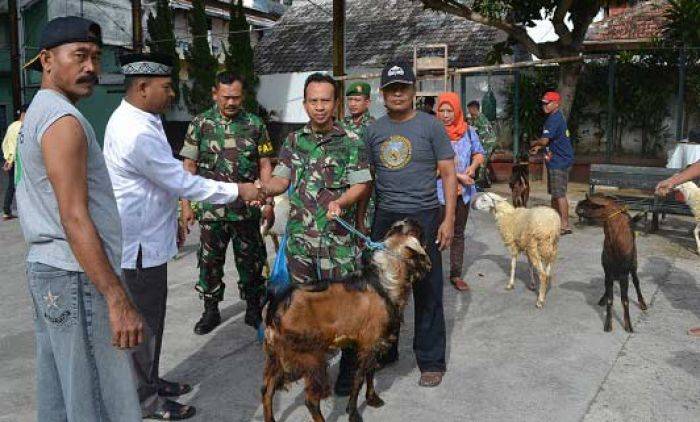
147	182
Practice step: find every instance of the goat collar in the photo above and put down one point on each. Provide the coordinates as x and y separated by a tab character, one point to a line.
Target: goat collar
622	210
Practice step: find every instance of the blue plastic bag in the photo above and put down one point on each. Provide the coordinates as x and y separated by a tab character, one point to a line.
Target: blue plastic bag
279	276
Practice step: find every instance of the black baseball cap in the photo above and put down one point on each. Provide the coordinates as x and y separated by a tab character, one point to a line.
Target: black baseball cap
65	30
397	72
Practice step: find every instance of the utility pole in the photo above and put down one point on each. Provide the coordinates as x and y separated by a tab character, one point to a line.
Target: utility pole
136	27
14	56
339	51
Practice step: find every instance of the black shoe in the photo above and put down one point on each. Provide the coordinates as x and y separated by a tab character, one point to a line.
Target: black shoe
172	411
172	389
253	313
210	319
346	373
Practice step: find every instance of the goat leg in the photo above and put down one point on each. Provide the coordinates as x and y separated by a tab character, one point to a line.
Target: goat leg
351	409
272	380
624	286
532	276
544	280
371	395
511	282
607	326
640	299
696	232
314	406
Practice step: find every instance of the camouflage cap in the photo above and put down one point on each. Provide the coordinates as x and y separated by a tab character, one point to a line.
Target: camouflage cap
358	88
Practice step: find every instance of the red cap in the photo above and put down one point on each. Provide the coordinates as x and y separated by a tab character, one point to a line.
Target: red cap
551	96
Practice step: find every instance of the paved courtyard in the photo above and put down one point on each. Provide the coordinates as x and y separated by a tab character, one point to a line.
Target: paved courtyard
507	360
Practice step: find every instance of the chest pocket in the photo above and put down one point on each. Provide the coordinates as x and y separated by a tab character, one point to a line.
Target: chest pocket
333	166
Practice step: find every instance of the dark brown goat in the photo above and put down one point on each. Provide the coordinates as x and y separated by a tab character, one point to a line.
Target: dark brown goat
619	252
520	185
303	327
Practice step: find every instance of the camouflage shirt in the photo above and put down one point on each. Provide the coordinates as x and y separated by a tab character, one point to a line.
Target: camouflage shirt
358	129
321	168
227	150
485	131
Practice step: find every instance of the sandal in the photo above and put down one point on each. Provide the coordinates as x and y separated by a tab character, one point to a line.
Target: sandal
564	232
172	389
460	284
430	379
172	411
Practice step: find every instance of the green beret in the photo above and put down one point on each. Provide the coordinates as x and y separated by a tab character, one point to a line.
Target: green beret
358	88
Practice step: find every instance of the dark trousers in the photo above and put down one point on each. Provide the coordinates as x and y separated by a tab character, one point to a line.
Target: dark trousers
249	254
148	288
457	247
10	192
430	336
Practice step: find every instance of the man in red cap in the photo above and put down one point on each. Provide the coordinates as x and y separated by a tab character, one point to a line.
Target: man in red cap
559	156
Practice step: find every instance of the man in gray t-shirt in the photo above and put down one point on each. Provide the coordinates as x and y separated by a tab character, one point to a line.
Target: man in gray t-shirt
83	316
407	148
405	156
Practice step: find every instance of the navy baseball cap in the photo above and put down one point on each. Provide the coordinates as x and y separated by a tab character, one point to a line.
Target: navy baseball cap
65	30
396	72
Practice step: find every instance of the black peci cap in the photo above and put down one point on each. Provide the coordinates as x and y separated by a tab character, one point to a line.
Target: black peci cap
65	30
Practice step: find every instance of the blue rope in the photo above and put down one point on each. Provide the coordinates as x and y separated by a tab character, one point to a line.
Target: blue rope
369	243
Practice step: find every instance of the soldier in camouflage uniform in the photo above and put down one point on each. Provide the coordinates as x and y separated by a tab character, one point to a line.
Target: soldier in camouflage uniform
328	169
358	100
228	144
486	133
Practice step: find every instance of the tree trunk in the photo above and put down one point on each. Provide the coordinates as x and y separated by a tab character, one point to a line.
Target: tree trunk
568	78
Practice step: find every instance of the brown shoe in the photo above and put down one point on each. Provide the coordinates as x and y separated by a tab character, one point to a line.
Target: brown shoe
460	284
694	332
430	379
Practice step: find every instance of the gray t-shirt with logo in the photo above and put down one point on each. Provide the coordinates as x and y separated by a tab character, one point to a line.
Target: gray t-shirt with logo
36	201
405	156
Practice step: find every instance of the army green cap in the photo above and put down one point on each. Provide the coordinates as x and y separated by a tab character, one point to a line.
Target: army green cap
358	88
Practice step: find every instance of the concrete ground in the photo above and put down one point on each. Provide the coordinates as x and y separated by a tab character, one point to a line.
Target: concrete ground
507	360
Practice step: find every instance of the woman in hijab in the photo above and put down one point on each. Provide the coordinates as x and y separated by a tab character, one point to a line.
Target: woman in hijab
469	155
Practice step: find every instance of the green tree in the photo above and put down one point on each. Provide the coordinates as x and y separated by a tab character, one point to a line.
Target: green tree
515	16
161	37
202	65
238	56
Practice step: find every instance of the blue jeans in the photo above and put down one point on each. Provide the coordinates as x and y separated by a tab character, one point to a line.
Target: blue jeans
80	375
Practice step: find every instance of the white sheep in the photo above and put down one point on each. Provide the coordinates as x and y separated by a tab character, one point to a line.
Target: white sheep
691	193
534	231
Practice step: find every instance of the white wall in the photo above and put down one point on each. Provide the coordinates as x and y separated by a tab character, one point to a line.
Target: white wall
113	16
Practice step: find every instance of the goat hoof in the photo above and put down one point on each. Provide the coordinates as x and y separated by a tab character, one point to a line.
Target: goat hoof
510	287
607	328
375	401
629	329
539	304
642	305
531	287
601	302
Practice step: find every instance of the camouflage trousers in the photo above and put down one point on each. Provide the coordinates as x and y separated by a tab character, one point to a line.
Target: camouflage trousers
248	251
308	264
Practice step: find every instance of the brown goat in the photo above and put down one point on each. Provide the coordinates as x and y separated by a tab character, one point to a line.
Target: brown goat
619	255
520	185
362	311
